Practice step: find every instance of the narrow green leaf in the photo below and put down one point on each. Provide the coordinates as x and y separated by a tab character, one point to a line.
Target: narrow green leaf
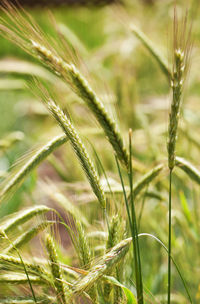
185	207
131	299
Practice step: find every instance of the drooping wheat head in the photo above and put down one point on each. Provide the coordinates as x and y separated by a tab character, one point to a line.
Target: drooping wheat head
79	149
23	32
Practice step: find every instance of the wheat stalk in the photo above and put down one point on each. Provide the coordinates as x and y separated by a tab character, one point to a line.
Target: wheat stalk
82	88
182	48
177	88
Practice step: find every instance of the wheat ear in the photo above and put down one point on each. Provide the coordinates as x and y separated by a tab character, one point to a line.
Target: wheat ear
177	88
83	248
111	242
82	88
182	47
21	217
56	270
85	256
79	149
20	279
27	236
107	262
8	262
18	174
23	32
27	300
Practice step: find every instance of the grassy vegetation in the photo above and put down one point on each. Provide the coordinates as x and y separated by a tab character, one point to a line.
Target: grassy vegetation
103	208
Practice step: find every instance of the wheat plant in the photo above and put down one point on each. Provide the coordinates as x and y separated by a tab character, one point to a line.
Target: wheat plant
62	248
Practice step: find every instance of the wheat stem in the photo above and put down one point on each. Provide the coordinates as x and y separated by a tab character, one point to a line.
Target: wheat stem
136	248
169	237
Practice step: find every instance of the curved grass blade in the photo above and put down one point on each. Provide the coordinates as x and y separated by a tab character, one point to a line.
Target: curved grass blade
188	168
152	50
4	235
130	297
17	66
175	264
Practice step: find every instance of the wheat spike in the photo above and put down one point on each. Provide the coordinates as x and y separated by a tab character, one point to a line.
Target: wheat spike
19	279
21	217
79	149
107	262
17	175
27	236
55	270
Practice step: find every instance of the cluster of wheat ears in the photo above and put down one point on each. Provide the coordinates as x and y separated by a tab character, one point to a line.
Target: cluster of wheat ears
97	280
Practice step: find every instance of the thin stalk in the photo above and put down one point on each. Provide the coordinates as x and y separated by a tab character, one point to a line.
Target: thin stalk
125	196
136	248
142	208
169	237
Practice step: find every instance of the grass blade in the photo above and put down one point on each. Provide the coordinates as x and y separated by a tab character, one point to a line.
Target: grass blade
189	169
152	50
